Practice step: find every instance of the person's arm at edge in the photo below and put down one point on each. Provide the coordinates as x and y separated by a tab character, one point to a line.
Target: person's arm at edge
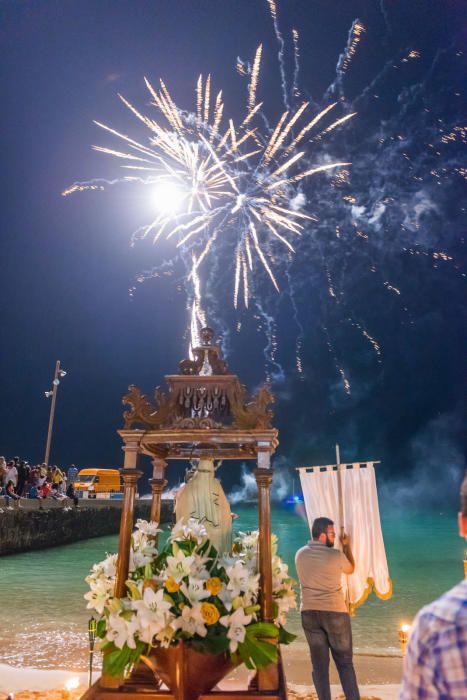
421	664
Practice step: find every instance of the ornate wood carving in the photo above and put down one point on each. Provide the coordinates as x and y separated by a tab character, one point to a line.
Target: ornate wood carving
207	360
203	396
196	422
255	413
144	412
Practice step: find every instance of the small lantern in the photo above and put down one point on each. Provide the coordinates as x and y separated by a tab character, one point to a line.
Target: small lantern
70	685
404	637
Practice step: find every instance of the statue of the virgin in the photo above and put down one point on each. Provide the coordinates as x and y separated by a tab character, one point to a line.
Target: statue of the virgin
203	498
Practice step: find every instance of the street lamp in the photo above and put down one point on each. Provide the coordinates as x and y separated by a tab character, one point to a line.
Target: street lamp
58	374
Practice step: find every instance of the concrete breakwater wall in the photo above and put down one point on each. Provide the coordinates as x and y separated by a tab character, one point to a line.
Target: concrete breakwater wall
29	526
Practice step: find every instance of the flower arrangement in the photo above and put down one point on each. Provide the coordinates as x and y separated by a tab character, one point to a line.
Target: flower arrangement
188	591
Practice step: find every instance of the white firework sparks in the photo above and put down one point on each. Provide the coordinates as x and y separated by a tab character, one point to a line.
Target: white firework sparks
217	179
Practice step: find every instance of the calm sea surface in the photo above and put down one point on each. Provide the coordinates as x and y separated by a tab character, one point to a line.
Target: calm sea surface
43	622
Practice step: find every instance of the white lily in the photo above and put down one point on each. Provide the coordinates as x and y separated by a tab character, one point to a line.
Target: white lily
152	614
109	566
249	541
195	591
121	631
191	620
238	575
139	559
179	566
227	597
141	542
227	560
98	597
148	527
165	636
241	579
198	568
192	529
285	601
236	624
280	572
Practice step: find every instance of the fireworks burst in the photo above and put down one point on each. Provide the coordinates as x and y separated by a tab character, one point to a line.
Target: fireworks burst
232	194
216	178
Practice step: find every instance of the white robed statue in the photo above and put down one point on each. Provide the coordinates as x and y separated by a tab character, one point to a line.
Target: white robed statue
203	498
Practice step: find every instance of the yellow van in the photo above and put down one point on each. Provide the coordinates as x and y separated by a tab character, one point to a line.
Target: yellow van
92	483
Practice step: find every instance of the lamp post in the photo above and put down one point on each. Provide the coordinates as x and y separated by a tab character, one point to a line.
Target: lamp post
58	374
92	629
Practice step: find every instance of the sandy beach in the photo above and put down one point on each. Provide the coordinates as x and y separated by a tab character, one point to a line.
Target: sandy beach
378	676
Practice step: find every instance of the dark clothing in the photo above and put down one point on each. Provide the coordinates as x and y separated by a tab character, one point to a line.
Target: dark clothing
21	481
10	492
324	631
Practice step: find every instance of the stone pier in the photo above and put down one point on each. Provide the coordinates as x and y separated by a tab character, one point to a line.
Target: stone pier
41	524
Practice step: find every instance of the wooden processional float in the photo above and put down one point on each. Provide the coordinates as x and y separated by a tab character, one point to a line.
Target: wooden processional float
205	414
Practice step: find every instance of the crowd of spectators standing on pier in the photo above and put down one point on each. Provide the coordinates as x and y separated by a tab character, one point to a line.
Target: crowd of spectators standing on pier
19	479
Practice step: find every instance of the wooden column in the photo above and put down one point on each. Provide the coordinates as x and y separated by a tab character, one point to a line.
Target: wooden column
267	678
264	480
130	480
158	484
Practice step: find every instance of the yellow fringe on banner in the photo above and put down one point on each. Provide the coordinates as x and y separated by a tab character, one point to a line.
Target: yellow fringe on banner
370	589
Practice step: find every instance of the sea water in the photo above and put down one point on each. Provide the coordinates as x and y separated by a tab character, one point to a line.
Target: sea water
43	619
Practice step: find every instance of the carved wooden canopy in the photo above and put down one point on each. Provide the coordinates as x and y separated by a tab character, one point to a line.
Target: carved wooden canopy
205	408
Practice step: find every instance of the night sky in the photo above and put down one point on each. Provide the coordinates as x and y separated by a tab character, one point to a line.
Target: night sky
375	294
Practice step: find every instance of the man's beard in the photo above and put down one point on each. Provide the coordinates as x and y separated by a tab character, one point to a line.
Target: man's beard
329	543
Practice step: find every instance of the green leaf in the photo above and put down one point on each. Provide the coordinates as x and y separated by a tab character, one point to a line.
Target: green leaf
160	561
169	598
256	651
212	645
286	637
212	554
250	609
187	546
203	548
263	629
118	660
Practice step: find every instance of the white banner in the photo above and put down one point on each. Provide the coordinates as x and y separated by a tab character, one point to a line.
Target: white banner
361	520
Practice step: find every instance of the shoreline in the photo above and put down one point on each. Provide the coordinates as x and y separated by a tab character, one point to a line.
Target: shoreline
378	676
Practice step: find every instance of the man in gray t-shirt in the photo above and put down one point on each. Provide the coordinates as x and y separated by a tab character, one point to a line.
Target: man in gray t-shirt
325	619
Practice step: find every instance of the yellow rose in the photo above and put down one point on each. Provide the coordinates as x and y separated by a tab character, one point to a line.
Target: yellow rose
210	613
214	585
171	585
149	583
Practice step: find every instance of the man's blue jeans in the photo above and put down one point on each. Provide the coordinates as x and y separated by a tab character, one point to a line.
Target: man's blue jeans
326	631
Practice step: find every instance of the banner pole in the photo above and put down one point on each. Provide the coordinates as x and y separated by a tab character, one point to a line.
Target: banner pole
341	520
339	491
